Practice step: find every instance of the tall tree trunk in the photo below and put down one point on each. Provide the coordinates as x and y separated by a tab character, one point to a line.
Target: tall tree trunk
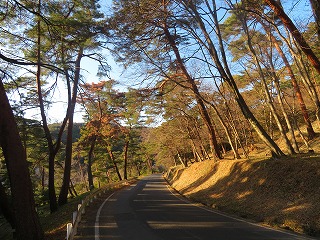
90	157
202	108
63	196
92	146
26	218
306	79
295	85
125	150
82	175
315	4
280	100
227	76
52	192
233	126
182	161
114	163
228	134
149	164
305	76
197	156
51	186
286	117
52	148
278	10
305	114
266	89
201	142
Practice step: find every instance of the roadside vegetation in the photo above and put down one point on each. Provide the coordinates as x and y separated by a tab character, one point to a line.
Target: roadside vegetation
279	192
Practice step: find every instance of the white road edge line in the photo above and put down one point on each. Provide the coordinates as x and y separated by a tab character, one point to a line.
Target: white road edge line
96	225
174	193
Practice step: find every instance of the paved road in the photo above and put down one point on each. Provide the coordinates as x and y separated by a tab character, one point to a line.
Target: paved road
148	210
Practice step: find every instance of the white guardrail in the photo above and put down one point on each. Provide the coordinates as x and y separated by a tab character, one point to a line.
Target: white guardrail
76	215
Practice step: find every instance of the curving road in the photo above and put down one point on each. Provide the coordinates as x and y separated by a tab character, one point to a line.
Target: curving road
148	210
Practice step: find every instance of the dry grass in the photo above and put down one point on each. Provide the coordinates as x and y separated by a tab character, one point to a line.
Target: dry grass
279	192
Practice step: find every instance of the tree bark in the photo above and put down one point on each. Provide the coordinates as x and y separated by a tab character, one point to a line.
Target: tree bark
114	163
125	150
305	114
278	10
182	161
225	127
90	156
266	90
51	186
315	4
202	108
228	78
286	117
26	218
63	196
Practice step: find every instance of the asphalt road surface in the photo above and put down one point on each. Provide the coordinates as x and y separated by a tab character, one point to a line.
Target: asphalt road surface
148	210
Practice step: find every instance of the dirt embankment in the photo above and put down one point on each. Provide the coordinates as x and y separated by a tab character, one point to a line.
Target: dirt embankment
283	193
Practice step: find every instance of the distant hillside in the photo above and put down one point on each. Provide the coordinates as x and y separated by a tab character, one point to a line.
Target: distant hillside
283	193
54	128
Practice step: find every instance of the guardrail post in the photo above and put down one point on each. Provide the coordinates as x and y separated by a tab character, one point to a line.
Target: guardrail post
69	230
74	217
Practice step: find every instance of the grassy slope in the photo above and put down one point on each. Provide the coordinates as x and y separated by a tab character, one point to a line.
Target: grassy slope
283	193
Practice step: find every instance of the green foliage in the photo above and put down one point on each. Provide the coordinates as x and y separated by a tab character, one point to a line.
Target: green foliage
55	127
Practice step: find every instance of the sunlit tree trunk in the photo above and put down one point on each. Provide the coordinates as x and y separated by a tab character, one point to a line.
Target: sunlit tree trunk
227	76
202	142
289	125
315	4
296	88
202	108
234	127
196	154
278	10
182	161
125	151
114	162
266	90
226	129
306	79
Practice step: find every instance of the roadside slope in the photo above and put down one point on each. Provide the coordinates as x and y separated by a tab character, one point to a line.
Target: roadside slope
283	193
